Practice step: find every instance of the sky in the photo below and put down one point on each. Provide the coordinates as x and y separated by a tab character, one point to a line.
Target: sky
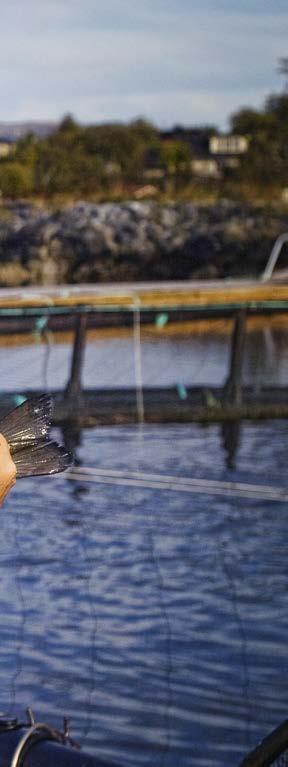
189	62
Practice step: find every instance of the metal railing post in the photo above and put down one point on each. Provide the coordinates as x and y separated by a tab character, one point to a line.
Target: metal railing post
74	384
274	255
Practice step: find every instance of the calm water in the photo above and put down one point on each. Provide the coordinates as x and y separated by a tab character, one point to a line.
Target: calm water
165	361
157	620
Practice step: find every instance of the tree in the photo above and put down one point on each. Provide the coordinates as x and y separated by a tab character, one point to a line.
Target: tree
15	180
266	161
283	70
249	122
144	130
176	157
68	125
276	107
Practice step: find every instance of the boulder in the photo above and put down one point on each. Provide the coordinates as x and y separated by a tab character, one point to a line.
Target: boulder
135	240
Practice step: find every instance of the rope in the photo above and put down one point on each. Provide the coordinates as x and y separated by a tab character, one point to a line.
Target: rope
177	484
138	360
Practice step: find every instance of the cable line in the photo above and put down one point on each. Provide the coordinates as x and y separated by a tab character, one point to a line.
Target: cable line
177	484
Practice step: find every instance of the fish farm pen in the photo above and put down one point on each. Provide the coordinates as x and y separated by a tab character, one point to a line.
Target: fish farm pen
77	309
236	529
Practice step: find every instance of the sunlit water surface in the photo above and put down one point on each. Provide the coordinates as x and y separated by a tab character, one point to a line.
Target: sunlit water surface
157	620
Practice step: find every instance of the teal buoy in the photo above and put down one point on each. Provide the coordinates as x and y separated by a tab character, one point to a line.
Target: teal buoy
161	320
19	399
182	391
40	324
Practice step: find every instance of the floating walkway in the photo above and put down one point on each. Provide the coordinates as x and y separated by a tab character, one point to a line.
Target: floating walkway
237	300
199	297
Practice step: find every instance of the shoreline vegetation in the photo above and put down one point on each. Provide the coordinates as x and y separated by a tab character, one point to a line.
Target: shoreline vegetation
117	161
145	214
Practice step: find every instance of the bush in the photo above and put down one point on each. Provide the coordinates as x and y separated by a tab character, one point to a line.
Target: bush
15	180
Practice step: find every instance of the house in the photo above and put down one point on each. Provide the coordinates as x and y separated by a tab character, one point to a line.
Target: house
211	152
196	138
227	149
228	145
205	167
6	146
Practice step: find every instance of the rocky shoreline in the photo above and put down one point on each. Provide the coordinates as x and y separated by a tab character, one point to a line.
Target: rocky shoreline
117	242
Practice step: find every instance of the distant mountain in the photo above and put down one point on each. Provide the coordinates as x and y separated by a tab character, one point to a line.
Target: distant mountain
16	130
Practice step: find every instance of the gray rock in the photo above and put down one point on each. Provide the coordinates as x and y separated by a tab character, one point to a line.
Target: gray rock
134	240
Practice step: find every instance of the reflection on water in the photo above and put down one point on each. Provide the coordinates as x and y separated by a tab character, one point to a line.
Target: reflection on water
166	361
231	433
266	358
156	620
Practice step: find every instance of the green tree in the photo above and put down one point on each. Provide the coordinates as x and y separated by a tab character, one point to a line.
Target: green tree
176	157
276	106
15	179
250	122
68	125
266	162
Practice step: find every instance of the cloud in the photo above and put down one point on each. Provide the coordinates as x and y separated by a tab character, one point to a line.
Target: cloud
172	62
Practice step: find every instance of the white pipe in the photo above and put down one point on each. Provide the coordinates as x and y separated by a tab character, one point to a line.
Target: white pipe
176	484
274	255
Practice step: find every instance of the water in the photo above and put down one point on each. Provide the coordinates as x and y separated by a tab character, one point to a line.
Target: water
156	620
166	361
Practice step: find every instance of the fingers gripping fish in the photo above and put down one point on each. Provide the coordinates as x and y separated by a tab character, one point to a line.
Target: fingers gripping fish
8	469
25	447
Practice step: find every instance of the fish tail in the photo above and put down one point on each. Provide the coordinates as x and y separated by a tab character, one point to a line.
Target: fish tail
28	423
26	430
44	458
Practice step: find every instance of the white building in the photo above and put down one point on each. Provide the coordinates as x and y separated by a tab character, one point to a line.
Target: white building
228	144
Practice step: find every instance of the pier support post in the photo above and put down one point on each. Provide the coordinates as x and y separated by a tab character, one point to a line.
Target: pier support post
74	384
233	386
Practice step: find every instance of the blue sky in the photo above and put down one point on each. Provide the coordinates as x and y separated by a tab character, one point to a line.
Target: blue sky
171	61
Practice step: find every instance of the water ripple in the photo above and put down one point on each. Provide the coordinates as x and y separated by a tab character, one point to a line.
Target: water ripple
156	622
